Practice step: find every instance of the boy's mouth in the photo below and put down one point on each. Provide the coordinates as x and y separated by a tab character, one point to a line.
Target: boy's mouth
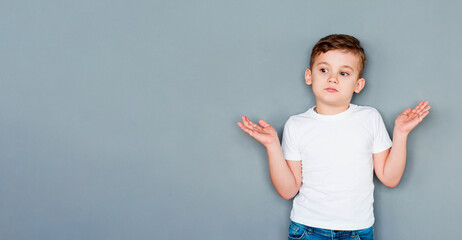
331	90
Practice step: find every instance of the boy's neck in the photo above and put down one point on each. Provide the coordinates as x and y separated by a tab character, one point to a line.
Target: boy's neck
330	110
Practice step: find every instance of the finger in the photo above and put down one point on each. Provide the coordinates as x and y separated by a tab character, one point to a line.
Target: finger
243	118
246	129
422	110
422	105
424	115
250	122
249	131
251	125
247	122
263	123
426	108
417	107
242	126
255	126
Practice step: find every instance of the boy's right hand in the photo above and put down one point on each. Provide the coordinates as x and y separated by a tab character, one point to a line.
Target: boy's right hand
266	134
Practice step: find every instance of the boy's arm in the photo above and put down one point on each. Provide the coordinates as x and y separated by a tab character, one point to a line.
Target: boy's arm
389	165
285	175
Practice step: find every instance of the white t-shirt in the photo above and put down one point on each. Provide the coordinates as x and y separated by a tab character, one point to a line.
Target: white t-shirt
337	189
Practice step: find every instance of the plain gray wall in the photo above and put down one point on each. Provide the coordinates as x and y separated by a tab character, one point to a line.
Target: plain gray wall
118	118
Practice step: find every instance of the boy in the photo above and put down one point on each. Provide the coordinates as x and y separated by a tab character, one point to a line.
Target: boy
329	153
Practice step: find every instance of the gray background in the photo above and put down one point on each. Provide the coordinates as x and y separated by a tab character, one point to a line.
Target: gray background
118	118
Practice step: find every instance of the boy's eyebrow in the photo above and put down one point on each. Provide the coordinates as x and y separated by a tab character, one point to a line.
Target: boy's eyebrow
346	66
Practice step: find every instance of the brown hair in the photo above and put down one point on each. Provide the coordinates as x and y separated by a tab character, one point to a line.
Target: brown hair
341	42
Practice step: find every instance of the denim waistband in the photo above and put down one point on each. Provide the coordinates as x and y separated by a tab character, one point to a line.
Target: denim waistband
328	232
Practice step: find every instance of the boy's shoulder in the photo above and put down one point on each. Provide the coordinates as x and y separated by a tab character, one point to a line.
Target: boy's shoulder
367	109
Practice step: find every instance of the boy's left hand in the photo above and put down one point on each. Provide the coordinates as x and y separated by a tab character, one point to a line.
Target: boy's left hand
410	118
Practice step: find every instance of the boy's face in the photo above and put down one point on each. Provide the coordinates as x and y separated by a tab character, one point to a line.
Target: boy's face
334	77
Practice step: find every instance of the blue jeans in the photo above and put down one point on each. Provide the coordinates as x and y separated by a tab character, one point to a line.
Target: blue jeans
300	231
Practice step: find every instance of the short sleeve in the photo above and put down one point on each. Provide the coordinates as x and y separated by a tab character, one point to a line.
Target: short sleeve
290	144
382	140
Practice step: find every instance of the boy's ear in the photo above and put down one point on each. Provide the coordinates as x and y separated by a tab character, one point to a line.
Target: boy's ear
360	83
308	77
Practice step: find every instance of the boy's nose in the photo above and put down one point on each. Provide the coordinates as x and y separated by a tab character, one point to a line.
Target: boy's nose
332	79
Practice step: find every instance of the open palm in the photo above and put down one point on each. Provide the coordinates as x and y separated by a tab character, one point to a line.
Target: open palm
265	134
410	118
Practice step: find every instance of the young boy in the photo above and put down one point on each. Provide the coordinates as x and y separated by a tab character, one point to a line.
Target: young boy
329	153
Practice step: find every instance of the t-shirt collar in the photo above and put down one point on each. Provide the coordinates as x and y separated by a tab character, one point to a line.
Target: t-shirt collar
337	116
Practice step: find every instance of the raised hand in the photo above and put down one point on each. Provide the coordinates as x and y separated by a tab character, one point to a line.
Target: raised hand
265	134
410	118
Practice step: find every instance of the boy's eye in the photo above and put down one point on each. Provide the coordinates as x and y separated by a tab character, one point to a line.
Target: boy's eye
344	73
323	70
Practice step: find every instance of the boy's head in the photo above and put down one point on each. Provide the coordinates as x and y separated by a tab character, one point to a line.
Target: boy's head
339	42
336	66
